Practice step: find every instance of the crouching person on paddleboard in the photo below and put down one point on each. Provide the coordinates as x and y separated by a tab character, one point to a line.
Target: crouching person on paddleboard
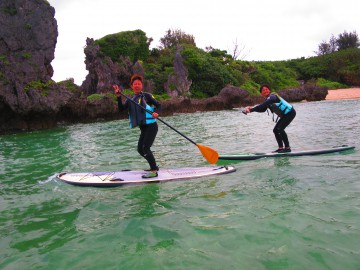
138	117
285	112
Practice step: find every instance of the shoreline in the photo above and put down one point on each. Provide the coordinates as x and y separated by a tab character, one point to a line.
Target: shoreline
349	93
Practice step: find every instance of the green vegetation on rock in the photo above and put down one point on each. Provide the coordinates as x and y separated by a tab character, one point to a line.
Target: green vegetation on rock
212	69
42	87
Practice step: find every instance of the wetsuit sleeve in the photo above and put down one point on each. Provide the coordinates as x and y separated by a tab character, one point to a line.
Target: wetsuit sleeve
152	101
263	106
122	106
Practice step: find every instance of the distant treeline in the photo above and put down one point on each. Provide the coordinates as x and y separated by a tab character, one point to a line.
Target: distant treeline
212	69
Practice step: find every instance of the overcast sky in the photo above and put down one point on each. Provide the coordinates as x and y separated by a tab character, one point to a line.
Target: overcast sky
264	29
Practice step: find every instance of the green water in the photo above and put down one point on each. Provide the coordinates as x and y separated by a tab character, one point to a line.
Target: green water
284	213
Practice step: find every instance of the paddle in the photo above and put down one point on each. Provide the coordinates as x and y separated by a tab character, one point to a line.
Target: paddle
208	153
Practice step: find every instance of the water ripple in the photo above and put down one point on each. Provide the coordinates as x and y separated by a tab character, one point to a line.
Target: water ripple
269	214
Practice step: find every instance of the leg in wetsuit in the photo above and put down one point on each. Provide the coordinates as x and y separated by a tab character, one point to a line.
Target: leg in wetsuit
146	140
279	129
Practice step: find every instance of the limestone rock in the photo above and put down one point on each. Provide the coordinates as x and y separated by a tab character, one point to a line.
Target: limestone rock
29	99
178	84
233	95
103	72
28	33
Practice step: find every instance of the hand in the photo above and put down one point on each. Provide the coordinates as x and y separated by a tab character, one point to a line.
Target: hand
117	90
246	110
155	115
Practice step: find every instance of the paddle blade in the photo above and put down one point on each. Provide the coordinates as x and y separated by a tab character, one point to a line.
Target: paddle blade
208	153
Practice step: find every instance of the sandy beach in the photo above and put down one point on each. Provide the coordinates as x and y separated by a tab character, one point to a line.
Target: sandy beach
349	93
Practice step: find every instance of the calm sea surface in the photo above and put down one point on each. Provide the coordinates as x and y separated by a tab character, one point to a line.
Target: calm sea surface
284	213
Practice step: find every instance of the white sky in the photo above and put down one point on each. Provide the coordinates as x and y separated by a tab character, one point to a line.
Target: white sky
265	29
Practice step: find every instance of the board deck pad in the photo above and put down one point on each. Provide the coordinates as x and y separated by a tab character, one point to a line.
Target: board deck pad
252	156
118	178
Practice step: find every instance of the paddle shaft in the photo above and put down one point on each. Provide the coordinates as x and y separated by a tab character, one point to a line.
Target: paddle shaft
158	118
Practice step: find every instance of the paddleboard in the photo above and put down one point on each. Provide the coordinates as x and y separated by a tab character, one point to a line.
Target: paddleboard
126	177
252	156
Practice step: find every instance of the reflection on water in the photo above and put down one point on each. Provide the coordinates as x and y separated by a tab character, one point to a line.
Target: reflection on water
283	161
144	201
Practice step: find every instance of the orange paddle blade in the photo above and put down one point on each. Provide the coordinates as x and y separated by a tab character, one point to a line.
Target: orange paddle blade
208	153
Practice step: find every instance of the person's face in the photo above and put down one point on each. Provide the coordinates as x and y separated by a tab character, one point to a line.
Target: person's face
265	92
137	86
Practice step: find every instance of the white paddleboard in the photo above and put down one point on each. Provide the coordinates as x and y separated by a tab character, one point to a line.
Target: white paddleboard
126	177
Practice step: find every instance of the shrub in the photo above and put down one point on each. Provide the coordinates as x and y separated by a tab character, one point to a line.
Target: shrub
95	97
128	43
329	84
69	84
42	87
252	87
26	55
208	74
276	74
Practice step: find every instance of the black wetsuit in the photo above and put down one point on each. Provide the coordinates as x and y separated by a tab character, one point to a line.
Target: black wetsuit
147	124
286	114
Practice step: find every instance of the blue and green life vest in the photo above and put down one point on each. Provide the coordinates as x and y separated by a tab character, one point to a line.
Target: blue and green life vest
280	108
137	115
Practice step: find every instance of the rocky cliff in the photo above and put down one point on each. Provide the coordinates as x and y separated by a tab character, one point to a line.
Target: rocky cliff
28	36
31	100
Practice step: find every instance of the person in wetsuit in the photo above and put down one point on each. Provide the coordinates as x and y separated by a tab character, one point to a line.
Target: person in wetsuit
143	119
284	111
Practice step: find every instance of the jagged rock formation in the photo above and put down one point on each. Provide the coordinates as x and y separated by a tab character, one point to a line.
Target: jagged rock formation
228	98
103	72
30	100
308	92
178	84
27	40
28	35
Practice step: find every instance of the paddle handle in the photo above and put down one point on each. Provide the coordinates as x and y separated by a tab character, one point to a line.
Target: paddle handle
142	107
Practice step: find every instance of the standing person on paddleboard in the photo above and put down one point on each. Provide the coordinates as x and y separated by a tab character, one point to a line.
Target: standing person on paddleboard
285	112
143	119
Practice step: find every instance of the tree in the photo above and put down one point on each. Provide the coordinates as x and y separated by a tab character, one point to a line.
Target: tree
222	55
347	40
333	44
327	47
176	37
238	52
344	41
323	48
